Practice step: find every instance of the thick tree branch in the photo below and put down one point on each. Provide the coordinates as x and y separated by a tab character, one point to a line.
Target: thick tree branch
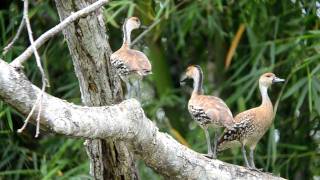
55	30
125	121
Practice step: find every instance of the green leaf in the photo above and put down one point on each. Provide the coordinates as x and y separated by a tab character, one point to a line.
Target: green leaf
9	119
295	88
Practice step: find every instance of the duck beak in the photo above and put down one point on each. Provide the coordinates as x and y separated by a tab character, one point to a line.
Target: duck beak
277	80
183	80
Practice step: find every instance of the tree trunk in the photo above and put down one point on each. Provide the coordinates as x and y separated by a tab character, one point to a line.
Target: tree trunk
90	51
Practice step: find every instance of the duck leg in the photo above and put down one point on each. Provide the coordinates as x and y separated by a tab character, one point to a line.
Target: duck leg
210	154
244	154
216	138
136	93
129	89
138	89
251	160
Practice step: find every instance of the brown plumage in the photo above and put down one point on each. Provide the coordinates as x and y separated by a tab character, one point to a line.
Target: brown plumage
206	110
251	125
217	112
131	65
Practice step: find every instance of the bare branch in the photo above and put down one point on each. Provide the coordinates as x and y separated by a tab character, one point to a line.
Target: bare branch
38	60
10	45
125	121
145	32
156	22
17	62
28	117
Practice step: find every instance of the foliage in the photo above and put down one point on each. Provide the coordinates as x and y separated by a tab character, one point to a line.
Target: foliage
279	36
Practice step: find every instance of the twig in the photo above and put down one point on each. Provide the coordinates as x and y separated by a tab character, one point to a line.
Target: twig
155	23
10	45
40	41
146	31
39	113
17	62
29	116
38	60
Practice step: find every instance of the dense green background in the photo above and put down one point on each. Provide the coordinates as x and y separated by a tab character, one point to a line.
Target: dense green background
280	36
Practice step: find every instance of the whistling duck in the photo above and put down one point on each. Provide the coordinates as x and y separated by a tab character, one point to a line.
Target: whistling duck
206	110
249	126
131	65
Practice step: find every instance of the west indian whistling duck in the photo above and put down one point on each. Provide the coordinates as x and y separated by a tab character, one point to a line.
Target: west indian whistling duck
251	125
206	110
131	65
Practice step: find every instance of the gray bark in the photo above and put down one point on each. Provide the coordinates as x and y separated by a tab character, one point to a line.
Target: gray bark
90	51
126	122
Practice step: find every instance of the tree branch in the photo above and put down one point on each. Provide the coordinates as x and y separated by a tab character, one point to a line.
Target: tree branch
156	22
17	62
16	37
43	75
125	121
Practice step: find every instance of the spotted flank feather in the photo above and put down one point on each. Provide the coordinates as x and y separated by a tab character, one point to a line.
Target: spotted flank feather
120	67
210	110
129	62
239	131
199	115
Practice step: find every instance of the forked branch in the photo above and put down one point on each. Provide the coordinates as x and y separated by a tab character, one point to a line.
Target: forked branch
17	62
43	75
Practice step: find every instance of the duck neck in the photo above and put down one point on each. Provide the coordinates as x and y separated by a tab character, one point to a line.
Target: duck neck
265	97
197	82
126	34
